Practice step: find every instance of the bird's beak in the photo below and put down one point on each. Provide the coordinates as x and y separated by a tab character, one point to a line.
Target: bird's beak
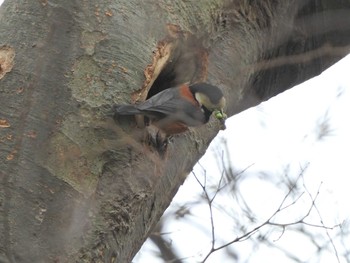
221	116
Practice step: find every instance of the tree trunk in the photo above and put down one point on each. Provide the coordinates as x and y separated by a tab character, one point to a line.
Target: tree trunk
78	186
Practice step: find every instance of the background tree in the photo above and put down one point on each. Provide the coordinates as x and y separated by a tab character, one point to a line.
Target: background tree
76	186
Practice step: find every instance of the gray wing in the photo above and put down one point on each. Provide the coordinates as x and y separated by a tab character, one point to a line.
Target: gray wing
170	105
164	102
127	109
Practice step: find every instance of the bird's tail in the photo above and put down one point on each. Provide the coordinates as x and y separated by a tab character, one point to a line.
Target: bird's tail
126	109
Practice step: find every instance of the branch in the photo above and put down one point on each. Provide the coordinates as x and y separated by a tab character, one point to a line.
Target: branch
281	207
325	50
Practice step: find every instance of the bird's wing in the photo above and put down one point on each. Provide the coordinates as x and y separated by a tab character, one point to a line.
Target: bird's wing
126	109
166	102
172	106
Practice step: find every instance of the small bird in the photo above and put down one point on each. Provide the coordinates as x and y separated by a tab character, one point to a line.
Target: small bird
175	109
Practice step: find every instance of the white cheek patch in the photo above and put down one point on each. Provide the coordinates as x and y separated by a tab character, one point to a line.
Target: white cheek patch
198	98
203	100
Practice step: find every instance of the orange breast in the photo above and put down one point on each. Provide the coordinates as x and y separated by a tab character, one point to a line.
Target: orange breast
171	128
187	94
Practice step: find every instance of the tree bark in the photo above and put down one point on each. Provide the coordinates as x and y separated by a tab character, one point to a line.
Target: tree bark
78	186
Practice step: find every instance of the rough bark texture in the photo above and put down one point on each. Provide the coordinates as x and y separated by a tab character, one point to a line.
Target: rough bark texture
77	186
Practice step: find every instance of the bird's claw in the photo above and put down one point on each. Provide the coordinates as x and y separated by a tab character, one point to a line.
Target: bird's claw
157	139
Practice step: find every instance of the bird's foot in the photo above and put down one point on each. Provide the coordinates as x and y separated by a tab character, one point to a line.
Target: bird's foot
157	139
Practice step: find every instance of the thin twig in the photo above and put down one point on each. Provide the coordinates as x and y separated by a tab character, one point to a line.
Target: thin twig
280	208
321	220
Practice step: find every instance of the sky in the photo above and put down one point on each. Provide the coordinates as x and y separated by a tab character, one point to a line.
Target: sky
278	137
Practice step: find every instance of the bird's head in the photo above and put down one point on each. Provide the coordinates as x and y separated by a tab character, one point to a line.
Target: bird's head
211	99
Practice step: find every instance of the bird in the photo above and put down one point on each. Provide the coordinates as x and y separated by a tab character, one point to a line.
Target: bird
175	109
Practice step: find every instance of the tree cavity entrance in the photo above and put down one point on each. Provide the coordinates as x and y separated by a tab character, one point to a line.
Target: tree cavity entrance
179	58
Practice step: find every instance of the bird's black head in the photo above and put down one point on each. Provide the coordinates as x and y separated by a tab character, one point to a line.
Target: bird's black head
210	98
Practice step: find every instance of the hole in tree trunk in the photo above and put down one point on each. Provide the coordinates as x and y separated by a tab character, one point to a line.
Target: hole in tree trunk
179	58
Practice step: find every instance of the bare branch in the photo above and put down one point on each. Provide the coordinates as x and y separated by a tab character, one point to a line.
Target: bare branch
269	221
321	220
325	50
166	251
